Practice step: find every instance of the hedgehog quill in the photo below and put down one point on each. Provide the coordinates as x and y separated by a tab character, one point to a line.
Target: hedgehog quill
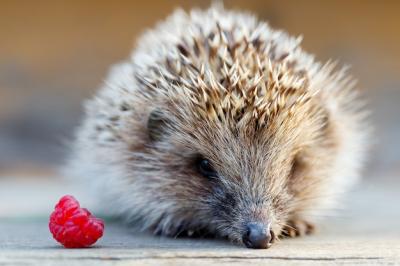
220	125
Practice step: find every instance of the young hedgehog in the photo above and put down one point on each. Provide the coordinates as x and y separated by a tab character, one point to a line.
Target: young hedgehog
220	125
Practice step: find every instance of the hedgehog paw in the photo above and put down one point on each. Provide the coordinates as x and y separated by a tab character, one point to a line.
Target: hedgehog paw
298	227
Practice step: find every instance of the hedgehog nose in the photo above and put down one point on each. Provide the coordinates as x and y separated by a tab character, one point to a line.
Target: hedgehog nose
258	236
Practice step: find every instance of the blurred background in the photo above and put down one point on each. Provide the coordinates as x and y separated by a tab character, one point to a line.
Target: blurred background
54	54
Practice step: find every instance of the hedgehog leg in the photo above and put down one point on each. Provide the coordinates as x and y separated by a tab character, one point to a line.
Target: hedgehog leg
297	227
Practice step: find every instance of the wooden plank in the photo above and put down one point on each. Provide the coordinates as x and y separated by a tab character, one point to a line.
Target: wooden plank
29	243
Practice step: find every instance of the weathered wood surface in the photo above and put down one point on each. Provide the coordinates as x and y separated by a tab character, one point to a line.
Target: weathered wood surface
24	243
367	233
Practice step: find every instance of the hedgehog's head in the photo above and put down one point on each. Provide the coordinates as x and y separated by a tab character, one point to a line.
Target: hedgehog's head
237	139
235	159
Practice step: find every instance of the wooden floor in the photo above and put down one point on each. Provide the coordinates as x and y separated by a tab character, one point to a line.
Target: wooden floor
366	233
28	243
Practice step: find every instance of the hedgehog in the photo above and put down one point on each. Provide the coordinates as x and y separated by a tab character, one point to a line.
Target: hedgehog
219	125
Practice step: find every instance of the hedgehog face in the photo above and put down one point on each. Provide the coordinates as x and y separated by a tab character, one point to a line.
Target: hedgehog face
239	146
234	178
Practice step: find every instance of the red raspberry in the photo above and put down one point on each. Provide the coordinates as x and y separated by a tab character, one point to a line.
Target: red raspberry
72	226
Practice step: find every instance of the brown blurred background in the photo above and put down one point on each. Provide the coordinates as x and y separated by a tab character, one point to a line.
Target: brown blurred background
54	54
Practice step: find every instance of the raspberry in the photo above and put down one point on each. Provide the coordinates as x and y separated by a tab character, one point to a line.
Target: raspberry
72	226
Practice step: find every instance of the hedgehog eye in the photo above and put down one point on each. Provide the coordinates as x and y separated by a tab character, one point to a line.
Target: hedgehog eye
206	169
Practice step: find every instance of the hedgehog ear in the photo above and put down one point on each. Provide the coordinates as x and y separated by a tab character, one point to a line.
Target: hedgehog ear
156	124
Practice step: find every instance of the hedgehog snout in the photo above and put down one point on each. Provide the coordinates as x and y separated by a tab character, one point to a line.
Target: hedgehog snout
258	236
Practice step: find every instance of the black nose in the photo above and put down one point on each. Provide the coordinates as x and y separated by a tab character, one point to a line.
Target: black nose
257	235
